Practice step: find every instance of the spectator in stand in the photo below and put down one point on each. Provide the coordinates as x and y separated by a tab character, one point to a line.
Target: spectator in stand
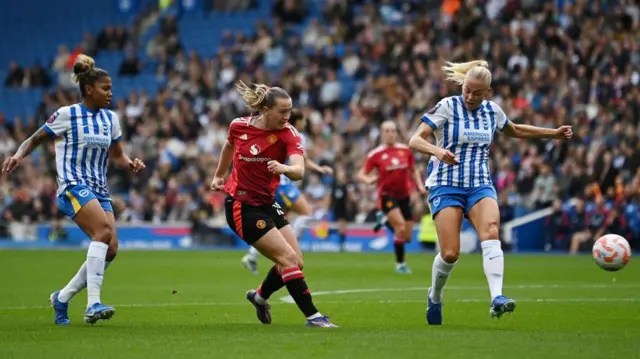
130	66
15	77
596	221
579	226
558	228
544	188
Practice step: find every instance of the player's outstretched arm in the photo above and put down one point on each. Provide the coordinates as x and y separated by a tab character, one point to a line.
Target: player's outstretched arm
367	178
295	171
121	159
30	144
527	131
418	142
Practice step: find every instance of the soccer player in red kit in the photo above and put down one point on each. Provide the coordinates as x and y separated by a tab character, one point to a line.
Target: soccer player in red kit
395	165
259	147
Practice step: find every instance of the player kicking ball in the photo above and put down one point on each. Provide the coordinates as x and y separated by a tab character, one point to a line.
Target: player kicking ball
258	147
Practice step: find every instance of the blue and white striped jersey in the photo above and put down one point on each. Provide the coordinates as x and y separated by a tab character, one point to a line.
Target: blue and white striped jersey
82	141
284	180
467	134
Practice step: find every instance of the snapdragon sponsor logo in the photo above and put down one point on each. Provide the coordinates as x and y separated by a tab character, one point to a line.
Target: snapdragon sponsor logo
254	159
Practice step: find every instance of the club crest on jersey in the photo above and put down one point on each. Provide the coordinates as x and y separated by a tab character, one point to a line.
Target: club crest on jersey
53	117
254	149
261	224
272	139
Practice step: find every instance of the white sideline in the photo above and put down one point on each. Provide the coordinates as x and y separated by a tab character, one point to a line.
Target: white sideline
289	299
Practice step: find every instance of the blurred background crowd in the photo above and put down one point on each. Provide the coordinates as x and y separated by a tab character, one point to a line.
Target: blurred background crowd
349	65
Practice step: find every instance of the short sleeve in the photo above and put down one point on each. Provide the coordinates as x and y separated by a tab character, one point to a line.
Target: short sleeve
229	136
59	122
116	130
501	118
232	132
292	140
438	115
370	163
294	143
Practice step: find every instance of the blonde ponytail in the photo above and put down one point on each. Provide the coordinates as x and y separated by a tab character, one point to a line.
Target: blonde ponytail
253	97
456	72
260	95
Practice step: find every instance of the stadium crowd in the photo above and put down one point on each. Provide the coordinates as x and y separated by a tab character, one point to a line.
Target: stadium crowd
554	62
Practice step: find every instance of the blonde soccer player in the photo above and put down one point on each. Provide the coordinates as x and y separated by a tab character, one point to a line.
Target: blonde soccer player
459	179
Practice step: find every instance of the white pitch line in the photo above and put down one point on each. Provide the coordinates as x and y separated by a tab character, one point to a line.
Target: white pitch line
289	299
459	300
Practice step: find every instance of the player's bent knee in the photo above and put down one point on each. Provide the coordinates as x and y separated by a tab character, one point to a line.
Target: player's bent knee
449	255
287	259
491	231
399	226
104	233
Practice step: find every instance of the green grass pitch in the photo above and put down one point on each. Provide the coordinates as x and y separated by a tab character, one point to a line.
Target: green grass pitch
567	308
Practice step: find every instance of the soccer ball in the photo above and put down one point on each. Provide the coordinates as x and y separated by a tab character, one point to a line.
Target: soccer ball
611	252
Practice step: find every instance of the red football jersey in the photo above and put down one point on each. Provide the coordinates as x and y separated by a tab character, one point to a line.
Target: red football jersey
250	181
395	167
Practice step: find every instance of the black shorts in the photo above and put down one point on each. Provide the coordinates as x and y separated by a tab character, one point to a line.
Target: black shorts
341	212
388	203
251	222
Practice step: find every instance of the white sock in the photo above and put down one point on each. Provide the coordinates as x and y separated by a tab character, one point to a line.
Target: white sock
314	316
299	224
252	254
493	263
95	270
76	284
439	274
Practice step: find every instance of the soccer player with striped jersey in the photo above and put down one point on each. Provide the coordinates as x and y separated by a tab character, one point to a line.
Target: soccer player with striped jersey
87	135
289	196
259	146
459	178
395	166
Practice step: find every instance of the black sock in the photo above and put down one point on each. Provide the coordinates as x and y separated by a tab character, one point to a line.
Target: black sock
399	249
297	287
271	284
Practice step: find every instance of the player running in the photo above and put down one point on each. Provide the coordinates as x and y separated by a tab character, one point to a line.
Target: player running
87	135
259	147
395	165
459	179
288	195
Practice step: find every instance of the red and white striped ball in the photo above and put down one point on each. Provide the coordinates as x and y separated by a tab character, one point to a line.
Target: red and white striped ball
611	252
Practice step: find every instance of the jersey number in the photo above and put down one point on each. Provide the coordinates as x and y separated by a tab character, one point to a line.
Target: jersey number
278	209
